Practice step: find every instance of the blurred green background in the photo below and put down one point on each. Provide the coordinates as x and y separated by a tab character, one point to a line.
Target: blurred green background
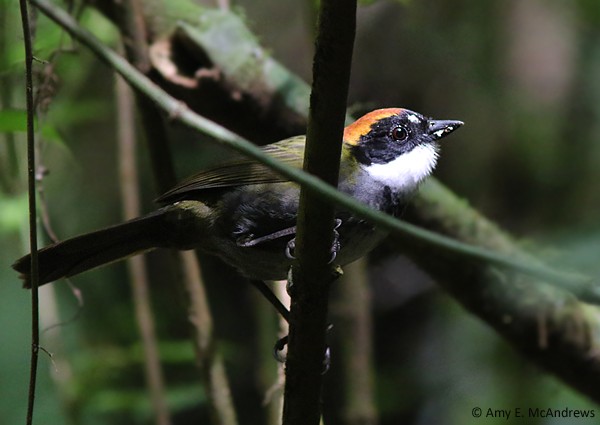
524	75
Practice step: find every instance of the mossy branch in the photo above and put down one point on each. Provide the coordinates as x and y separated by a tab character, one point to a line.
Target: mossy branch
547	324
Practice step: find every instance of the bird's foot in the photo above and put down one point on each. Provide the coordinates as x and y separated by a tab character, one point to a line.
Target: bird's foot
335	246
280	352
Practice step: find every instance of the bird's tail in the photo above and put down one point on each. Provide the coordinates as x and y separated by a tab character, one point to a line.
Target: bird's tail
85	252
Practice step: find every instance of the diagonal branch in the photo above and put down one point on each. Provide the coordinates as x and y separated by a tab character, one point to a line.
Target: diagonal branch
548	325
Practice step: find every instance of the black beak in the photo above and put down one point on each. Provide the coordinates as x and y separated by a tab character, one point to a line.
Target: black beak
439	129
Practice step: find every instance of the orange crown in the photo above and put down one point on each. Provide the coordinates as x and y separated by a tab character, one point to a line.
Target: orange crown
362	126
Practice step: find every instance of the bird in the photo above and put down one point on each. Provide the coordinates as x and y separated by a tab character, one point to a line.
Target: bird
245	213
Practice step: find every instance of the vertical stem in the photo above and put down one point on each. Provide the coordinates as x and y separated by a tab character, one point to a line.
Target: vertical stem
313	273
133	31
35	328
136	265
211	362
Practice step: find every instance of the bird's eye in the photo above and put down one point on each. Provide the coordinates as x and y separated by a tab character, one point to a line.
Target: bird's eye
400	133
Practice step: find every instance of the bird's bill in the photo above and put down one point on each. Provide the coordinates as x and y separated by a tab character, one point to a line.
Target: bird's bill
439	129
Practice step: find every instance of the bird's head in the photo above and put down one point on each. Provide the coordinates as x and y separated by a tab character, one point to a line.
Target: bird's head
397	147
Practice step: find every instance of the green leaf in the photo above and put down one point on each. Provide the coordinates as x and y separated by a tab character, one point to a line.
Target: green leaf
13	212
15	121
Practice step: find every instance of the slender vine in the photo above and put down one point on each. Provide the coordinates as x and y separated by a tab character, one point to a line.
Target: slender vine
35	314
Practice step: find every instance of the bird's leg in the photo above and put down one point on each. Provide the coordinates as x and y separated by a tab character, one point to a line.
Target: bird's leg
281	309
272	298
270	237
291	245
285	313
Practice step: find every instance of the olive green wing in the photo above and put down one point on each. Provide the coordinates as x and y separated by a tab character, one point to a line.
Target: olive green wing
240	171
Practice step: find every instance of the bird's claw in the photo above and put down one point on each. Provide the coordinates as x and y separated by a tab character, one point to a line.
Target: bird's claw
278	349
289	249
326	360
335	247
279	355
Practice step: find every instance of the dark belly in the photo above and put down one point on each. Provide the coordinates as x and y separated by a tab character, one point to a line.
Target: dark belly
251	216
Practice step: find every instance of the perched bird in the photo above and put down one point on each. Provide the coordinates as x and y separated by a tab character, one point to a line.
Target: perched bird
246	213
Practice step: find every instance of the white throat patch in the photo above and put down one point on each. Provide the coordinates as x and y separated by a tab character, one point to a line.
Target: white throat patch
407	171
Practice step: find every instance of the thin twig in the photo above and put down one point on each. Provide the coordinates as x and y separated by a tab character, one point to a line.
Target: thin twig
137	267
272	298
136	48
44	210
35	326
211	363
583	286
